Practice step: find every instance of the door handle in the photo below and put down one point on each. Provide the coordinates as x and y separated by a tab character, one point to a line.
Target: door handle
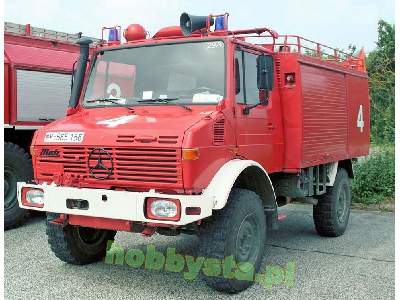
270	126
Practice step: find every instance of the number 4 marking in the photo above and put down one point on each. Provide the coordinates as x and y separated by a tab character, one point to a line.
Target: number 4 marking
360	119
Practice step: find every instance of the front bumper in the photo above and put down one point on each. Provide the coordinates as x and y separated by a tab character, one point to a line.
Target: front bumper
122	205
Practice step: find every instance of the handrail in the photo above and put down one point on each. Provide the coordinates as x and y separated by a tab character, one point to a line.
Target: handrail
37	32
297	44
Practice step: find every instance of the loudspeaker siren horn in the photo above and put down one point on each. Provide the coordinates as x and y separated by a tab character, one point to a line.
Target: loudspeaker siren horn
191	23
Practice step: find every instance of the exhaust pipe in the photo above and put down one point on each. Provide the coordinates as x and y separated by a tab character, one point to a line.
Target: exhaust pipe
80	71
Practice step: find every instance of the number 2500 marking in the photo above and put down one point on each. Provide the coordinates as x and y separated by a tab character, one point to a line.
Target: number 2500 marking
214	45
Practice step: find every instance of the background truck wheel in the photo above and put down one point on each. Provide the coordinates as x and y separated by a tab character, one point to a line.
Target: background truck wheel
331	214
17	167
77	245
237	230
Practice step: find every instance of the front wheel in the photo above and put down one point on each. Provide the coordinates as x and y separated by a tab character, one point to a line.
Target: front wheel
331	214
77	245
237	231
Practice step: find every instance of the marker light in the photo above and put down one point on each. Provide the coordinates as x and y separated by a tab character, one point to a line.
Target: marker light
32	150
32	197
290	78
220	23
190	154
163	209
113	35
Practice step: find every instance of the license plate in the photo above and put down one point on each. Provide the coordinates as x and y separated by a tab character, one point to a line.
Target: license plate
64	137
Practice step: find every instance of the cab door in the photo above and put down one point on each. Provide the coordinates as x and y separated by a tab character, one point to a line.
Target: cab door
254	128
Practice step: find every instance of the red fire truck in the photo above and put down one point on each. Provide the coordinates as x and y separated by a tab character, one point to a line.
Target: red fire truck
202	130
37	78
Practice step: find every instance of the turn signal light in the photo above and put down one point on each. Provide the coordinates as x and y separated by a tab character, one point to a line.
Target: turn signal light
32	197
190	154
32	151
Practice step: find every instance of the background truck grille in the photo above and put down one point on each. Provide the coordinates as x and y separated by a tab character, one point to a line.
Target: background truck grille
133	164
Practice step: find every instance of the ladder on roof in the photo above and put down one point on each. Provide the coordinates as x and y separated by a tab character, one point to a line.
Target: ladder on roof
28	30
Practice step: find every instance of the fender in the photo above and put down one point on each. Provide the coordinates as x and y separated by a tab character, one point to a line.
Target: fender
332	170
223	181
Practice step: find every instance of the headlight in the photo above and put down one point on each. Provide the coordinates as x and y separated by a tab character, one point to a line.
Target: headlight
32	197
163	209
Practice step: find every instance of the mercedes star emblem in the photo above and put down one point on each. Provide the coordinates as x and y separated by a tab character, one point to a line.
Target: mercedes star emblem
100	164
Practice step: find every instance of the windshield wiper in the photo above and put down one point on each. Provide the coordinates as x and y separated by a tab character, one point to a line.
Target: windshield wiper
165	100
162	100
110	100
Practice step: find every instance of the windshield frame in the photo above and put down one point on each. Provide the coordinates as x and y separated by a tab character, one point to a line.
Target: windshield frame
155	43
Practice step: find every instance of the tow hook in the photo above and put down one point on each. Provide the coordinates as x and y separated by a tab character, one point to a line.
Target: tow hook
57	219
281	217
148	231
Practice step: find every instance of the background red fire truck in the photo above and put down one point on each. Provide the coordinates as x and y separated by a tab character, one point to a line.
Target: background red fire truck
201	130
37	81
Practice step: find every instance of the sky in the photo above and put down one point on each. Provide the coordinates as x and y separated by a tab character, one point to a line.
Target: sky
336	23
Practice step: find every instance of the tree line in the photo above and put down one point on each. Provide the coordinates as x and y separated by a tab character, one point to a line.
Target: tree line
381	72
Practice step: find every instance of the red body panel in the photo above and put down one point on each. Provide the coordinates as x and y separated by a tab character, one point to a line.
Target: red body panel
52	58
357	94
101	223
146	148
324	109
320	111
6	93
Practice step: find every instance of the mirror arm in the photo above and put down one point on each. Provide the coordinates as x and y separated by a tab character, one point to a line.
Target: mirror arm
247	108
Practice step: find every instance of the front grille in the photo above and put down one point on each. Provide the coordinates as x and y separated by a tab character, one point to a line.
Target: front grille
134	164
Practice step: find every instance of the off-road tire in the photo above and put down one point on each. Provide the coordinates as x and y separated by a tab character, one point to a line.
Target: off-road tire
330	214
220	235
66	242
17	167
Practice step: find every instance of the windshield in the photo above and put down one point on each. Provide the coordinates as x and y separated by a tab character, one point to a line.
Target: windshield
185	73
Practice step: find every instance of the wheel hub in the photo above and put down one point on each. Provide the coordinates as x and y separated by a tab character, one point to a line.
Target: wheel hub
91	236
342	206
6	186
247	240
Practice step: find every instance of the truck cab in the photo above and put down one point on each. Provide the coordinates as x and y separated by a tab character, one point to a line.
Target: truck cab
182	133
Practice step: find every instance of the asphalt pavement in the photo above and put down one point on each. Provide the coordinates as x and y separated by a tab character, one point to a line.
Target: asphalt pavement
357	265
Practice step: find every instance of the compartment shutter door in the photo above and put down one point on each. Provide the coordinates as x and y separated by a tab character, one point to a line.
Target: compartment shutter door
42	95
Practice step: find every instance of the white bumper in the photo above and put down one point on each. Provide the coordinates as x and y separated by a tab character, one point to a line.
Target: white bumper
121	205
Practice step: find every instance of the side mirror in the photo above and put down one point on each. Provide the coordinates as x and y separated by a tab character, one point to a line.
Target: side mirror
265	72
237	76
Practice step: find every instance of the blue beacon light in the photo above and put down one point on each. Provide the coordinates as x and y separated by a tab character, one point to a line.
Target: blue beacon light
113	35
220	23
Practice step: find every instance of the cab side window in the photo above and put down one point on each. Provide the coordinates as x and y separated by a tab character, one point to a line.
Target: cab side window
239	77
250	76
246	69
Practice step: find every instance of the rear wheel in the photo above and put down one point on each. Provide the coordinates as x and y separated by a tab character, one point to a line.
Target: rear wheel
331	214
75	244
237	230
17	167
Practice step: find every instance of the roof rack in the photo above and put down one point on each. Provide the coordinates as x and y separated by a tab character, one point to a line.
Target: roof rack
28	30
303	46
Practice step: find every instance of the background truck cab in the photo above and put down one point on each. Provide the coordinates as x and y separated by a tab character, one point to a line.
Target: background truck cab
37	81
